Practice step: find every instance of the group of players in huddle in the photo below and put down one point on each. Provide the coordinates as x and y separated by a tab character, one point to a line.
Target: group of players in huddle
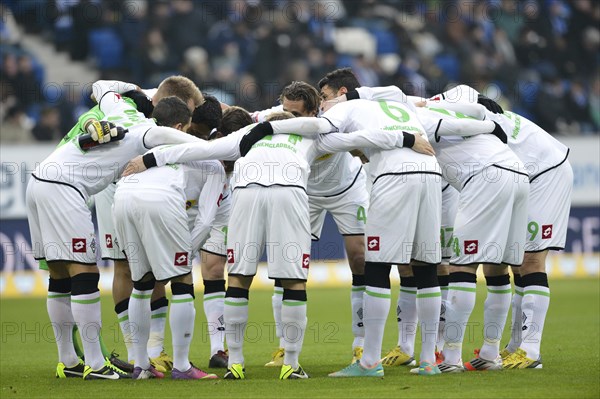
447	184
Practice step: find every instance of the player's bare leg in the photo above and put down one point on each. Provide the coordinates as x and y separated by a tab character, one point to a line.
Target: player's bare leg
213	274
355	250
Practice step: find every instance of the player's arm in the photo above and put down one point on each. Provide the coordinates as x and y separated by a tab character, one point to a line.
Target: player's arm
472	110
467	94
372	138
101	87
208	202
226	149
468	127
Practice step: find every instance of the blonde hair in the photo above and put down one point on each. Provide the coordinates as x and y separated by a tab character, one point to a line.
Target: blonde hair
182	87
279	116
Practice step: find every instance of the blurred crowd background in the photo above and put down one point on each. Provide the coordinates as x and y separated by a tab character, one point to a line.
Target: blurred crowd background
540	58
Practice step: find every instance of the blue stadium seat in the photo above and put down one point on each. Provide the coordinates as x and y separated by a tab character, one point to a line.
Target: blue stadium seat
449	64
106	47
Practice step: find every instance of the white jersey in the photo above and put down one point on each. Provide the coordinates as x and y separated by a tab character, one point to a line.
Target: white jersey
199	185
389	116
463	157
91	171
330	174
280	159
538	150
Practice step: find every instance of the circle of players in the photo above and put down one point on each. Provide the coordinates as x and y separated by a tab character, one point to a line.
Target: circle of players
192	174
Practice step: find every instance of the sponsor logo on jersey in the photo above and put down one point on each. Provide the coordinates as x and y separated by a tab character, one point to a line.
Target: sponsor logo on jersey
230	258
373	243
181	259
305	261
109	241
471	247
78	245
546	231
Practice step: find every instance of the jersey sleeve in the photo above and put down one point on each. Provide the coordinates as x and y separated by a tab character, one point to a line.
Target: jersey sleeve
225	149
110	101
161	135
208	203
472	110
339	142
304	126
463	127
461	93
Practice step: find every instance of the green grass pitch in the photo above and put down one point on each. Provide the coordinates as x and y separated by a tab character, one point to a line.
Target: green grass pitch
570	353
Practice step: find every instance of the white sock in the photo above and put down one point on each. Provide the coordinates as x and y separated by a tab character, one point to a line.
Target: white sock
214	308
61	317
293	318
406	315
536	299
461	301
357	303
377	307
276	303
429	302
86	312
139	317
495	311
236	318
158	322
125	325
440	340
181	321
516	321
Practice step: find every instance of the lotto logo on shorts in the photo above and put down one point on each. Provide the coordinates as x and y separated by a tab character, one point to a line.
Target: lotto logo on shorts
109	241
471	247
305	261
373	243
78	245
230	258
181	258
546	231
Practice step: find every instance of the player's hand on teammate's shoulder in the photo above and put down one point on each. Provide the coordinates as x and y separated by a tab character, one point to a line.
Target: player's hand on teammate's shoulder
421	144
136	165
101	131
490	104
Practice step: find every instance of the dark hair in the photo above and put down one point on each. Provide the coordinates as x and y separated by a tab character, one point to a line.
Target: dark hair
209	113
234	118
170	111
297	91
339	78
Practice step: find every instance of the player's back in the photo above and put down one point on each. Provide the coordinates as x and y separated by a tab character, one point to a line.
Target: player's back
276	160
91	171
538	150
462	157
389	116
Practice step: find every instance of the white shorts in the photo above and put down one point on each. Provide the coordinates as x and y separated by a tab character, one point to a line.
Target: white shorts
275	218
491	219
216	243
109	244
449	209
154	234
60	223
549	206
348	208
404	219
